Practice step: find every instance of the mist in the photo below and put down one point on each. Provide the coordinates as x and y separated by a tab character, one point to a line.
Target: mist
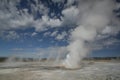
94	16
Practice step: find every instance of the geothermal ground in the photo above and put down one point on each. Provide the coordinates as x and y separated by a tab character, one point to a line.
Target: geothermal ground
48	70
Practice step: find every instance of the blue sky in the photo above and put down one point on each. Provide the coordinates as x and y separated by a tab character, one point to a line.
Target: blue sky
32	27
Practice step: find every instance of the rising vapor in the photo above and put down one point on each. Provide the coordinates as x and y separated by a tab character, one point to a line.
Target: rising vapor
94	16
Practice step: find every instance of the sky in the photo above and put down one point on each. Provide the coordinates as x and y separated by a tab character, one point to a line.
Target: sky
47	27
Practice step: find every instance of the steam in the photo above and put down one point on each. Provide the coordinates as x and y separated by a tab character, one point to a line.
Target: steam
94	16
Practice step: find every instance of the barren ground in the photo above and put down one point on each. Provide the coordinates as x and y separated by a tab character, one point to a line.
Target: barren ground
48	71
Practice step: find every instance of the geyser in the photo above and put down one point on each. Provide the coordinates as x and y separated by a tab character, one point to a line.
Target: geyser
94	16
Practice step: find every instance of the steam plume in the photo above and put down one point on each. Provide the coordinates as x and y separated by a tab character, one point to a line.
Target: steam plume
94	16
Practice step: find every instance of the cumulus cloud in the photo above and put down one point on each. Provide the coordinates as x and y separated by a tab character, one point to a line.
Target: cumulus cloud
45	22
54	22
61	36
47	34
54	33
70	2
12	18
70	16
38	7
33	34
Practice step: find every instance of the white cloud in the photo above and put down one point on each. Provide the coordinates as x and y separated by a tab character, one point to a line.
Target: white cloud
107	30
47	33
22	22
71	16
38	7
45	22
70	2
61	36
33	34
12	18
54	33
54	22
